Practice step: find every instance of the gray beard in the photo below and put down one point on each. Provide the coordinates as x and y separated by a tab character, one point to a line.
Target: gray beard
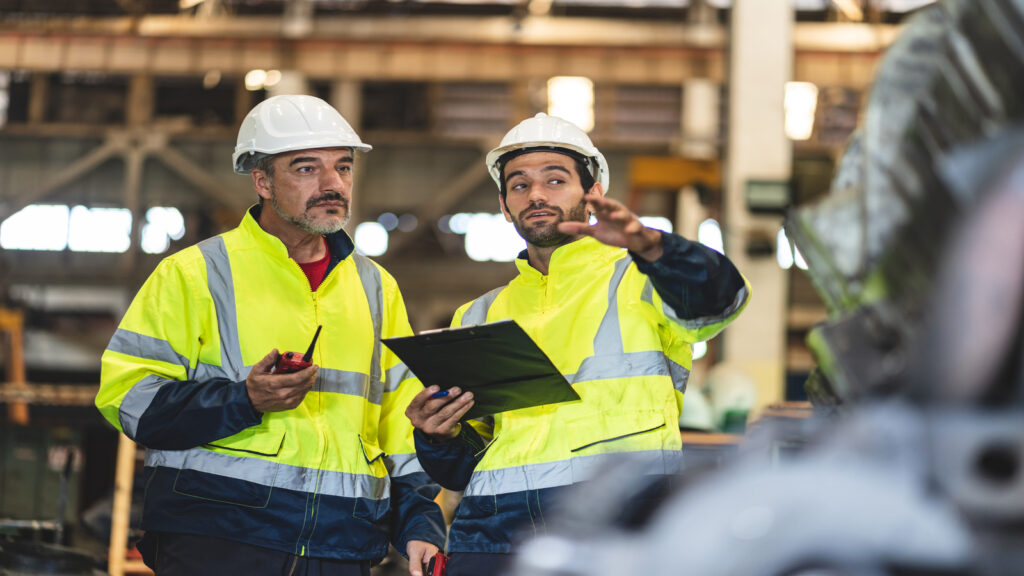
548	235
303	222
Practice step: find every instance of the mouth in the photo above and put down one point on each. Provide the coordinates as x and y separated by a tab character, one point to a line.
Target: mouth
539	214
330	204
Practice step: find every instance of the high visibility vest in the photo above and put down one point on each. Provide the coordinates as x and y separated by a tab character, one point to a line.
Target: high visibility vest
201	321
625	352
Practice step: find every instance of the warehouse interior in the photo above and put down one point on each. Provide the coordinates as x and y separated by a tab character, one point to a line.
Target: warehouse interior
726	121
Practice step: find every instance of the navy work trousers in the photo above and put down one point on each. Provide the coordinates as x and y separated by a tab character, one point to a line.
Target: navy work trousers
170	554
477	564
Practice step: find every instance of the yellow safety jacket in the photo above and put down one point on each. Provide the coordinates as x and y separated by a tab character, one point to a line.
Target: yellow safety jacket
335	477
627	354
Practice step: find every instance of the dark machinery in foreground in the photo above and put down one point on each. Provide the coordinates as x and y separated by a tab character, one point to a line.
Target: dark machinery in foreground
918	251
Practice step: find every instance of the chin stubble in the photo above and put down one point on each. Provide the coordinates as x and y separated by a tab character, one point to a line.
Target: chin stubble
305	222
549	235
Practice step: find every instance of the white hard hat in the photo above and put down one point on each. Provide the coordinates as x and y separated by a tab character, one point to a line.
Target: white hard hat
291	122
543	131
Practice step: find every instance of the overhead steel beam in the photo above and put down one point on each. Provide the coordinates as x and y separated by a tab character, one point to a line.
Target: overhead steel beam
134	146
353	60
80	167
432	49
464	184
535	31
203	180
132	194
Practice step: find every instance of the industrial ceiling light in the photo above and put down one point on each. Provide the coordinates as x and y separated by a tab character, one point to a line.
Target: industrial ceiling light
572	98
800	103
259	79
273	78
371	239
255	79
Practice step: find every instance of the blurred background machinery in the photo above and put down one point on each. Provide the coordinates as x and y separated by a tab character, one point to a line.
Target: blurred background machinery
913	463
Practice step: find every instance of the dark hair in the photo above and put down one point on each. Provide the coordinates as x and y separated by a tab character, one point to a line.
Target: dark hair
265	163
581	162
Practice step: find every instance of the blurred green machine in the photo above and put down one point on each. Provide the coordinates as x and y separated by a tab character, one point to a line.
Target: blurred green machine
39	473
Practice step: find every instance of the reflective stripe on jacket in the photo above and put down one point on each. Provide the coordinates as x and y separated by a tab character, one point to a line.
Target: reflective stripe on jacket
335	477
628	355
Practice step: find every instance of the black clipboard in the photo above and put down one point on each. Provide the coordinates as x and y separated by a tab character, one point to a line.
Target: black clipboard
498	362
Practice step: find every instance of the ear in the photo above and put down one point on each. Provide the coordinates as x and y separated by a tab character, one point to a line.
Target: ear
503	204
596	190
261	184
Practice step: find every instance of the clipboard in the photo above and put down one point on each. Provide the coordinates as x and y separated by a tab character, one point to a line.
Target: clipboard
498	362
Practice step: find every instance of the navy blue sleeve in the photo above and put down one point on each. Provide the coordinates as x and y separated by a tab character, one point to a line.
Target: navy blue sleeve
450	463
186	414
417	516
693	279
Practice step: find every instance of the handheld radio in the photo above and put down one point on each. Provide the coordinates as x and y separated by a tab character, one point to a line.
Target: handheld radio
292	362
438	565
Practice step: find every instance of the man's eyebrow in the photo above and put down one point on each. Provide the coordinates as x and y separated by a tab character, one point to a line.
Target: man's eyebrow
552	167
304	159
555	167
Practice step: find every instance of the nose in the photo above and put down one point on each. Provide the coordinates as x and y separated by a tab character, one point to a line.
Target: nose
537	193
332	180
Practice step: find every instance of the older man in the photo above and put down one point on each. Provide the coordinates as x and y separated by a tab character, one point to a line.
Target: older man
251	469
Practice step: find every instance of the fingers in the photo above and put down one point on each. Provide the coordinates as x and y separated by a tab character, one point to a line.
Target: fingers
633	226
575	228
266	363
415	560
450	422
419	400
447	415
611	211
439	416
419	553
270	392
616	224
602	204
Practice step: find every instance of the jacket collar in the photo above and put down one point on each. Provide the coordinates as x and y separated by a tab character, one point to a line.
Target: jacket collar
571	258
339	243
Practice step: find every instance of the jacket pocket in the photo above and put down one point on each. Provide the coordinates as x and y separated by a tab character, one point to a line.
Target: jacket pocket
371	452
476	507
611	431
226	472
369	510
253	440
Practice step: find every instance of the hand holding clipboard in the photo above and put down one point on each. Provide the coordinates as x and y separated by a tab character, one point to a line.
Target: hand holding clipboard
498	362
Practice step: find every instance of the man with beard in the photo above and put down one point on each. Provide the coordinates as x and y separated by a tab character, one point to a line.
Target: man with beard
615	305
252	467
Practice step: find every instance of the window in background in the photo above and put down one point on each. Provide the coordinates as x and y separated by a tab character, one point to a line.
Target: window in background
36	227
162	225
